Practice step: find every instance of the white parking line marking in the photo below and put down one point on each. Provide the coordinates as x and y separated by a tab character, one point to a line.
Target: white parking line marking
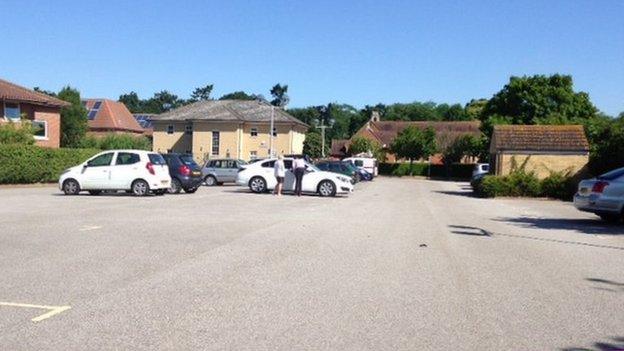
53	310
89	227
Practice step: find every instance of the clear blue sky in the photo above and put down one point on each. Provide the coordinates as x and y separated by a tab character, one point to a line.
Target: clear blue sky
356	52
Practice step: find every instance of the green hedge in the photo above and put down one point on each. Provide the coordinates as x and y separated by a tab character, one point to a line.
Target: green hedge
557	186
20	164
457	170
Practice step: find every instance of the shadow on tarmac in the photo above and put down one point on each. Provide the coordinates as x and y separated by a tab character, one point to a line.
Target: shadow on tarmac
583	226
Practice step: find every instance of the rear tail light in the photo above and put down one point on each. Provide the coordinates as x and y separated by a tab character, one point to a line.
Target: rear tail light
184	170
599	187
150	168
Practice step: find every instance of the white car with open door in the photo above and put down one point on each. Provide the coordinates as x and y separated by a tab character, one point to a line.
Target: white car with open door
259	177
137	171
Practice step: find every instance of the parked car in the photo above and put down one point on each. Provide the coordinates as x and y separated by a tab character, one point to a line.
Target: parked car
480	170
137	171
259	177
369	164
221	171
362	173
339	167
185	173
603	195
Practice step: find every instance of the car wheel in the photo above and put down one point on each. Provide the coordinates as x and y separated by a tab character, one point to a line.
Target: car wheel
210	180
358	177
611	218
257	185
71	187
190	190
140	187
95	192
327	188
176	186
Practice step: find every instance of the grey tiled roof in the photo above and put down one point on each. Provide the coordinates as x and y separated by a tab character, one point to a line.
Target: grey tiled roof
228	110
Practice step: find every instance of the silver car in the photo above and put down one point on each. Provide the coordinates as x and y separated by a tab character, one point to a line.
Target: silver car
221	171
603	195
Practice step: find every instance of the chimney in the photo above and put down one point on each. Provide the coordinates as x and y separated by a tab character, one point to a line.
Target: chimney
375	116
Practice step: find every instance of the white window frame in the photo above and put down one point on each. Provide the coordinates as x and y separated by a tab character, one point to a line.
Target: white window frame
253	155
4	109
253	132
170	126
45	128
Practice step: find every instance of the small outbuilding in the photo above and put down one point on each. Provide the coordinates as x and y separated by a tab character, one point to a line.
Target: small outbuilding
542	149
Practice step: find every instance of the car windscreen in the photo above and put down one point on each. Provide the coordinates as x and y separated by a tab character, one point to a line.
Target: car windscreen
313	167
617	173
350	166
188	160
156	159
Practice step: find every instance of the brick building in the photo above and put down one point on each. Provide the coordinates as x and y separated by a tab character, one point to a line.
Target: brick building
43	111
544	148
107	116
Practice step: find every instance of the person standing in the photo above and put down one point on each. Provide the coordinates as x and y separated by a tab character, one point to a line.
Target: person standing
299	168
280	172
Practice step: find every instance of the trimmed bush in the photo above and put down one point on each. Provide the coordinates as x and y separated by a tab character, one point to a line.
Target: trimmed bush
457	170
491	186
16	133
520	183
21	164
559	186
116	141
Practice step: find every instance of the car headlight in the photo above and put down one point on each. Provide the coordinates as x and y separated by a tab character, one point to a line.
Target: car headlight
344	179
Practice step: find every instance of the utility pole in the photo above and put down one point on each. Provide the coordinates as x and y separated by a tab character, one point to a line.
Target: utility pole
271	131
322	127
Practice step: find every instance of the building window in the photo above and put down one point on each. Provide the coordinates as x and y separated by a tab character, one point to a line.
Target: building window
12	111
170	129
253	155
188	129
254	132
215	143
274	131
40	130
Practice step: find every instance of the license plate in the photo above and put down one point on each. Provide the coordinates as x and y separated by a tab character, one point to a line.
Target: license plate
584	191
196	173
164	182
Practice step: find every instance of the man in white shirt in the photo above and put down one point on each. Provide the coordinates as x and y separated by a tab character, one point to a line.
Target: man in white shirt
280	172
299	168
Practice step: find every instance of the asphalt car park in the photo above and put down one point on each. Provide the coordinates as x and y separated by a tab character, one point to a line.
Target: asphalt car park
398	264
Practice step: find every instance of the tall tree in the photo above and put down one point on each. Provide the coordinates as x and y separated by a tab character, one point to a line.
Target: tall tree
73	118
47	92
313	144
540	99
202	93
132	102
280	95
238	95
162	101
414	143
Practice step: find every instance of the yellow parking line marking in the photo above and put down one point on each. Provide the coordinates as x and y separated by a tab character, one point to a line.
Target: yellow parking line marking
53	310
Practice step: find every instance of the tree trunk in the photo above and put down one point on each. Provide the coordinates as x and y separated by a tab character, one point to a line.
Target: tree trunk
411	168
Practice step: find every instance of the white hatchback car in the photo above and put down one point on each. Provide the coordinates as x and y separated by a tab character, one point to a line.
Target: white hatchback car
135	171
259	177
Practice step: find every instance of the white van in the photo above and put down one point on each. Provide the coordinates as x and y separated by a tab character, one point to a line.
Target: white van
136	171
368	164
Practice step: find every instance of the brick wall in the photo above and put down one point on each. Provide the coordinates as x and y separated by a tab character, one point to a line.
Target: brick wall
542	164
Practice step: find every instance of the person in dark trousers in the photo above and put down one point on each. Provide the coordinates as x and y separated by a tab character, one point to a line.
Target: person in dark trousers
299	168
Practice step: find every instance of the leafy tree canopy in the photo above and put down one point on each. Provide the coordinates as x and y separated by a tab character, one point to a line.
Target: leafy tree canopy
313	145
238	95
540	99
414	143
280	95
201	93
73	118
